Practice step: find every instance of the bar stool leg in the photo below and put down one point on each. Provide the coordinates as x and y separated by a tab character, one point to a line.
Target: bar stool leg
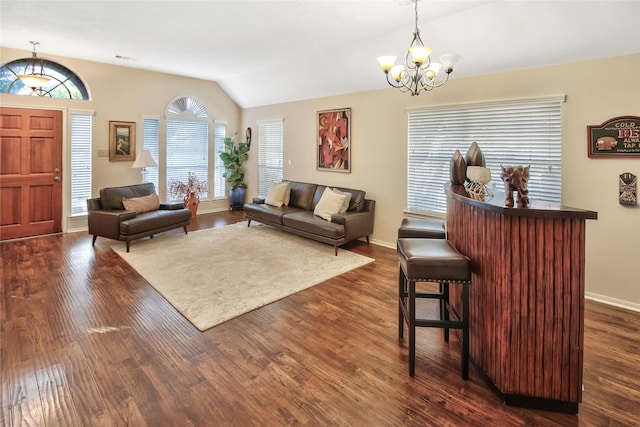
441	301
465	331
412	327
445	301
402	295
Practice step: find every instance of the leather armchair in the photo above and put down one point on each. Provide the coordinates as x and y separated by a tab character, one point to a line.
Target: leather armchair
109	218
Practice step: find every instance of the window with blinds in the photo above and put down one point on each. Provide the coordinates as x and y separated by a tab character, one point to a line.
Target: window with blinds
187	143
187	151
526	132
219	133
151	142
270	154
80	161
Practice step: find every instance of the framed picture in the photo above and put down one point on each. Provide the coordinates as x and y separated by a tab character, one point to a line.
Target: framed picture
617	137
334	140
122	141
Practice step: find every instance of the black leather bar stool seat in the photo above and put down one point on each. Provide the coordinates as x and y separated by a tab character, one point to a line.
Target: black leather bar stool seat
421	228
433	260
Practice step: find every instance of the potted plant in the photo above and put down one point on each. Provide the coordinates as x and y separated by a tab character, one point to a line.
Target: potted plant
189	191
233	158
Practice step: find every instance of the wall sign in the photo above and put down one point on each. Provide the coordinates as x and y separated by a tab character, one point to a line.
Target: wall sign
617	137
628	192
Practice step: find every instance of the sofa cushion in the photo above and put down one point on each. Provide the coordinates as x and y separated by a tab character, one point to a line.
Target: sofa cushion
149	221
345	204
142	204
308	222
267	212
111	197
277	194
301	195
330	204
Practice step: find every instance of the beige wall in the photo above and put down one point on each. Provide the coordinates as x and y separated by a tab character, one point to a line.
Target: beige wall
122	94
595	91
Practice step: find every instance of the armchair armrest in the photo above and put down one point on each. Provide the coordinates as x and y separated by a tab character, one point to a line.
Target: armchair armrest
94	204
106	223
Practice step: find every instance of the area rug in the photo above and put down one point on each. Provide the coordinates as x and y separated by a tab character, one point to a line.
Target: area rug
213	275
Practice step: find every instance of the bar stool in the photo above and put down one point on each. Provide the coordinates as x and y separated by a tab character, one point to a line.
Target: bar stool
433	260
421	228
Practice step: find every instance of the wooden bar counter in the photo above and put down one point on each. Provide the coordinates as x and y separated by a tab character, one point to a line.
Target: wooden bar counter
526	296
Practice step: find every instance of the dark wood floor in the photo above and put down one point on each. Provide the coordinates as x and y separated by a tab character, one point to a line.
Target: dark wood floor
86	341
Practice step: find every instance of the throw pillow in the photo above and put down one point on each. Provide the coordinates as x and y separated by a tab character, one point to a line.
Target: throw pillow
276	194
142	204
329	204
347	199
287	194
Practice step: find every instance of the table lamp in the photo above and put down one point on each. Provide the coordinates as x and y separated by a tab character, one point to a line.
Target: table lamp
144	161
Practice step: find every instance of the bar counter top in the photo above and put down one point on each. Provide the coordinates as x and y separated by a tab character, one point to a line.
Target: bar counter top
537	208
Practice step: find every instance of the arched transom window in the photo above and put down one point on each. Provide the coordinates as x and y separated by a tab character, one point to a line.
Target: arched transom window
63	83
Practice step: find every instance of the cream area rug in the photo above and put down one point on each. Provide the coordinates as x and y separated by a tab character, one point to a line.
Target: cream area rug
213	275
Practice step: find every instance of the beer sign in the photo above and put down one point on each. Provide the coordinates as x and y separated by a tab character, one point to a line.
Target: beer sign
618	137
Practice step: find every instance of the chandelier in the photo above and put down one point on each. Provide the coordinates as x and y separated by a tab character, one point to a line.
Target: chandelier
33	79
418	72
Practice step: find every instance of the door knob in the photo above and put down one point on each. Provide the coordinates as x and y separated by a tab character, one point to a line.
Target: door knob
57	178
57	170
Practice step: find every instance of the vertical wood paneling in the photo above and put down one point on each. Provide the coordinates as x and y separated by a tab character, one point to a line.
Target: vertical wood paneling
527	299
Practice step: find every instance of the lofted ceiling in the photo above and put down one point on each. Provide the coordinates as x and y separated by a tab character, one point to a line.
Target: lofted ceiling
269	52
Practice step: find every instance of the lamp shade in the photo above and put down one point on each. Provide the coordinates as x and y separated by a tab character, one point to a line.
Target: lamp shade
144	160
33	80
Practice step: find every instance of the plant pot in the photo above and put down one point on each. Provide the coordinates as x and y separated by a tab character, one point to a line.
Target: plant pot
236	198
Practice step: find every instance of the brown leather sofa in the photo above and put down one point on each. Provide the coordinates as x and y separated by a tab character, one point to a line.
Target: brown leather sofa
298	217
109	218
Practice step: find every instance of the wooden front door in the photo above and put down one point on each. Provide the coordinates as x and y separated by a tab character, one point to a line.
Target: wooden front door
30	172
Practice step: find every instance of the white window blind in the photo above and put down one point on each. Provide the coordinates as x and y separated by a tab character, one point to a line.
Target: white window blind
187	151
524	132
151	143
219	133
80	161
270	153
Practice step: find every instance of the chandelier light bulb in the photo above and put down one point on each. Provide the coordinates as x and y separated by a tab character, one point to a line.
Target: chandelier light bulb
397	71
432	70
419	54
450	61
387	62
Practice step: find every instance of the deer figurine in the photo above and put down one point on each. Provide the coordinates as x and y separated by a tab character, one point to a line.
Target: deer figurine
515	179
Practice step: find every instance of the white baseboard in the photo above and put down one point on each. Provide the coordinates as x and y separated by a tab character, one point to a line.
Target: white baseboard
627	305
383	244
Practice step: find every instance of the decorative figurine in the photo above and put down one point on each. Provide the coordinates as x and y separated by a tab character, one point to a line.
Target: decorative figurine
515	179
478	178
628	189
457	169
475	156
